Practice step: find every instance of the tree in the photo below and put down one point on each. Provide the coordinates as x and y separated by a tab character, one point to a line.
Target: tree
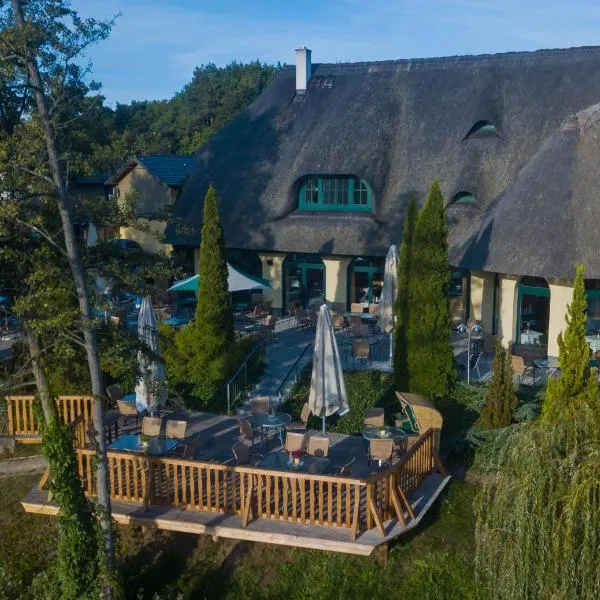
431	368
49	33
500	399
401	308
537	530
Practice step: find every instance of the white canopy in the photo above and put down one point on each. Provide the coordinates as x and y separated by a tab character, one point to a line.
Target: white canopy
327	388
389	293
236	280
150	390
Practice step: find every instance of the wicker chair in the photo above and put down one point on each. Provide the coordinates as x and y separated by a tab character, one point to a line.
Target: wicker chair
247	432
176	429
261	405
151	426
381	451
360	350
339	323
295	441
375	416
128	414
356	307
304	416
519	368
373	308
318	445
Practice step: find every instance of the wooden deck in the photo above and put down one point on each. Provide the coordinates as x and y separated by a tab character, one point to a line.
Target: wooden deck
269	531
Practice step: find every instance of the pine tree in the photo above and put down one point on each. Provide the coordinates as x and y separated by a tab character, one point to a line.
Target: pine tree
575	386
431	367
401	307
501	399
214	319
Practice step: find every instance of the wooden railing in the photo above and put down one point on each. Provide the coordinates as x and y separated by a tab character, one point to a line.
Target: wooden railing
21	418
346	502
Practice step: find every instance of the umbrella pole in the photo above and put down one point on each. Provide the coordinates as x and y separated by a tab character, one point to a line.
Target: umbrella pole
391	350
323	418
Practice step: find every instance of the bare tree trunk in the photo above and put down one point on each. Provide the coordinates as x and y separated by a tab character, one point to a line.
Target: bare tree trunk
89	333
48	406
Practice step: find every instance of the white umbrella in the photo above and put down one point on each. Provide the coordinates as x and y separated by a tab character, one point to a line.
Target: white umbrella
327	389
150	390
389	294
92	235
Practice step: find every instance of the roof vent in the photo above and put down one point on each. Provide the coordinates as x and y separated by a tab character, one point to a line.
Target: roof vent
303	69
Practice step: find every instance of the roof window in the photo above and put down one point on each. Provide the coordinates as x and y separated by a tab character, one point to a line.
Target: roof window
482	129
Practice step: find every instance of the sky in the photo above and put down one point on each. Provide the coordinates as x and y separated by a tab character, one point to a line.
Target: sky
156	44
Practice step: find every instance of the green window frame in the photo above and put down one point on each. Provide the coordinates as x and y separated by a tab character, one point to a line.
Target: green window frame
483	129
464	198
335	194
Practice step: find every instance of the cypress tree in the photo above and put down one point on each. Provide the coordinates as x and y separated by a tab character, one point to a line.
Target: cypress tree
431	368
500	399
401	307
214	318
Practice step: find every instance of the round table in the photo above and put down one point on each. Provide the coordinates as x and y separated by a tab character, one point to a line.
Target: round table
374	432
550	365
276	421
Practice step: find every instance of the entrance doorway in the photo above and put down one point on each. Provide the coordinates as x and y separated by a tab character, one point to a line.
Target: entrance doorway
303	280
533	312
365	280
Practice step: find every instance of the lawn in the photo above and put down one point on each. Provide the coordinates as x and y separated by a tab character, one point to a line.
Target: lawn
434	562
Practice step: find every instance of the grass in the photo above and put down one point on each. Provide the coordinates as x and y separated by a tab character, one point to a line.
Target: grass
435	561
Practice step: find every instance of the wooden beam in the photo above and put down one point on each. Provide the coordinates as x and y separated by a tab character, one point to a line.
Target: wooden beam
247	506
44	479
356	516
397	506
411	512
438	463
378	523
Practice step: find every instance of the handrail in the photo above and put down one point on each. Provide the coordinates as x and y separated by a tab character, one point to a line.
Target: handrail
289	373
233	387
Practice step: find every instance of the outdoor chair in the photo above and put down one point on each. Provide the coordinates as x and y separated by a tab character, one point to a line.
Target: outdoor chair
374	416
128	414
318	445
187	450
261	405
304	416
247	432
519	368
176	429
339	323
151	426
115	393
270	321
302	318
381	451
356	307
361	351
314	318
373	308
295	441
242	455
346	469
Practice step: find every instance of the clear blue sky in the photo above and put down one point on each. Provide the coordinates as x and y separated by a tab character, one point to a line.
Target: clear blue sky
156	44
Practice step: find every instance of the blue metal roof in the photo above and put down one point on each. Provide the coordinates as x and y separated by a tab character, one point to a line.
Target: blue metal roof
170	169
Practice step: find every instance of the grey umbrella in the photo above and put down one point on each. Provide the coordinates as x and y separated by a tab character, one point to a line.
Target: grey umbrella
327	389
150	390
389	294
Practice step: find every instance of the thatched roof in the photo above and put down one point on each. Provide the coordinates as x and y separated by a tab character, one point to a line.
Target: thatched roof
548	219
398	125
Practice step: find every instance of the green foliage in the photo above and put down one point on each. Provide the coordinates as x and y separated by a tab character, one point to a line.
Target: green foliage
75	573
431	365
537	534
401	308
501	399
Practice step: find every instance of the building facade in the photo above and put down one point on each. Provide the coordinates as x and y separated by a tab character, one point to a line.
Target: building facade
314	180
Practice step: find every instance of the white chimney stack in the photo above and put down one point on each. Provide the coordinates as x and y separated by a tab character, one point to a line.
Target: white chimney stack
303	69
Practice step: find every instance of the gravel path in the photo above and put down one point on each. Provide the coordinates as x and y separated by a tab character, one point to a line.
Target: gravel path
22	466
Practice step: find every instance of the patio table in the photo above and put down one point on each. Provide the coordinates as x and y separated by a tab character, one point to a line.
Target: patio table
128	398
364	315
550	365
373	432
594	342
532	338
157	446
276	421
308	464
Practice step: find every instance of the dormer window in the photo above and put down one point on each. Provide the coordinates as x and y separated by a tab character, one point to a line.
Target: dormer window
482	129
334	193
465	198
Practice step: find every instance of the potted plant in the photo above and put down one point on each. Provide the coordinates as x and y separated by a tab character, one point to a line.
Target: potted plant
144	439
382	431
296	456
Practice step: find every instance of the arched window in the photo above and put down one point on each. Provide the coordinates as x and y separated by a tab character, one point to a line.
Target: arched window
533	316
334	193
465	198
482	129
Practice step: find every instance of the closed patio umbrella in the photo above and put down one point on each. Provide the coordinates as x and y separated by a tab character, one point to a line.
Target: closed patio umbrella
389	294
327	389
150	390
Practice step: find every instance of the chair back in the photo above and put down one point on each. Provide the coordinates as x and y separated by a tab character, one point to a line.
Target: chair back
339	322
489	343
518	365
241	453
373	308
305	414
246	432
176	429
295	441
381	449
261	405
356	307
151	426
114	392
127	408
374	416
360	349
318	445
